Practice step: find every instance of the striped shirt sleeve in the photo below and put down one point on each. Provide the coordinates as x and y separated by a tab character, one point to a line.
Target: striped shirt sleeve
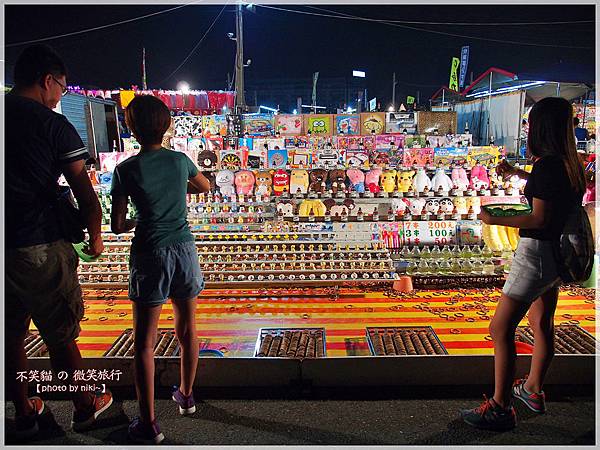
68	143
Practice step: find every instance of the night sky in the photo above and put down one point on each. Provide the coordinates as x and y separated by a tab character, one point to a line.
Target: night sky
283	44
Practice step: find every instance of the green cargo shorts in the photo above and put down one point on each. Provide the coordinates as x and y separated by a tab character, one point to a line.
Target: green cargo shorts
42	285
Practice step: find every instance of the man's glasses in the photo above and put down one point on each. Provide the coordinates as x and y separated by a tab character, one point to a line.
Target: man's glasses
64	89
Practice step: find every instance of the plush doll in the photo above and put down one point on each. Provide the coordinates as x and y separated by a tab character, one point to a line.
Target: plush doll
244	182
318	177
441	180
224	180
459	178
299	181
337	178
432	206
285	208
357	179
372	180
475	203
405	180
399	205
317	207
388	180
343	208
421	180
460	203
479	178
416	206
281	182
446	206
264	182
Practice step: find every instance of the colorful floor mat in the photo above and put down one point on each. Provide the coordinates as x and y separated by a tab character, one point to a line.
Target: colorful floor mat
229	320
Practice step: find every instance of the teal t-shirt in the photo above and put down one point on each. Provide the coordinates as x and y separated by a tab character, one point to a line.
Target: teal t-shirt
156	181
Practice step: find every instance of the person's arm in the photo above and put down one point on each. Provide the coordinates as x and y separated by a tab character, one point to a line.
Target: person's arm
504	169
87	200
538	219
119	223
198	184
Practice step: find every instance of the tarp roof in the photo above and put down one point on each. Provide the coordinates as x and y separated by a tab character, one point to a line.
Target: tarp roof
503	81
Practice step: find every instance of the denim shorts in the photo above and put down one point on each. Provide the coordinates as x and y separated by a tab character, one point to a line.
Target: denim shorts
167	272
532	272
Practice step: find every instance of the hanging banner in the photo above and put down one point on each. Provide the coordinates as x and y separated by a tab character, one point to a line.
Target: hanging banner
464	63
453	84
373	104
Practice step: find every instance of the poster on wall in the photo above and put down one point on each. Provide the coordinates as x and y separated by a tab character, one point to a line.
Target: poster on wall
296	141
398	122
459	140
436	141
131	145
194	144
180	144
329	158
450	156
372	123
319	124
288	124
300	158
415	141
258	124
214	144
187	126
418	157
108	161
357	158
277	159
214	126
319	142
234	125
347	124
386	141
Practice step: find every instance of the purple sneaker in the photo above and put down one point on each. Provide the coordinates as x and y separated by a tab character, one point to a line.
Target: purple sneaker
187	405
143	433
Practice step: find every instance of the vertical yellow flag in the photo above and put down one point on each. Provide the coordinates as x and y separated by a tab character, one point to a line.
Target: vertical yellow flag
453	85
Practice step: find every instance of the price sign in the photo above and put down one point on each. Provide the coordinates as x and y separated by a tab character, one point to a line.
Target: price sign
469	232
433	232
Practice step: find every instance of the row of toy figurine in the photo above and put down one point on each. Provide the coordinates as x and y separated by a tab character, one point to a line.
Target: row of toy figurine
276	182
400	208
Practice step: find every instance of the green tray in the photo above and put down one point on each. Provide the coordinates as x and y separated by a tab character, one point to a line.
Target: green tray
83	255
507	209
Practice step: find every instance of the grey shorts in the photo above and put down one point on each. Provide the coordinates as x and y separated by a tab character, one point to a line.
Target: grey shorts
42	285
167	272
532	272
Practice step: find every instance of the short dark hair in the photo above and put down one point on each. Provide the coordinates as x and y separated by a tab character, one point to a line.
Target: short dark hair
148	118
35	62
576	121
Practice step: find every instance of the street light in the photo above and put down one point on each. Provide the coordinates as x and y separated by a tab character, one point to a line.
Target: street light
231	36
183	86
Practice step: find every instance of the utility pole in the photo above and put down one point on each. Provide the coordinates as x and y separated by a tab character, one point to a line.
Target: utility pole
240	100
394	92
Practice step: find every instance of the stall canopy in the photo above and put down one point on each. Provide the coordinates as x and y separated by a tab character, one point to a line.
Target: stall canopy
565	80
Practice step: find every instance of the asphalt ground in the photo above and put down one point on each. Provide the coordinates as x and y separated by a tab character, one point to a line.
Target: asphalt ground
353	416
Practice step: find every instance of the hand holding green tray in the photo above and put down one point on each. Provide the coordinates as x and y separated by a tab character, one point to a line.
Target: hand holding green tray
83	255
507	209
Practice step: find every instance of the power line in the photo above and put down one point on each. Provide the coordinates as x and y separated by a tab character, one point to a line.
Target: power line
350	17
416	22
87	30
197	44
